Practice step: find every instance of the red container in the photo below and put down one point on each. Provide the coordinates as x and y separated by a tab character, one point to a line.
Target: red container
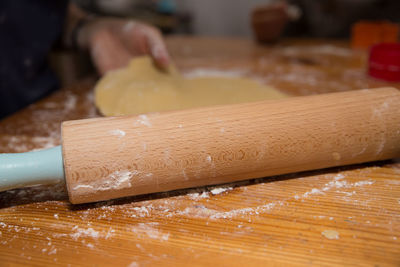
384	62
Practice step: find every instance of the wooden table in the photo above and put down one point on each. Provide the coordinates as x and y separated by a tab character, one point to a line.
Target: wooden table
338	216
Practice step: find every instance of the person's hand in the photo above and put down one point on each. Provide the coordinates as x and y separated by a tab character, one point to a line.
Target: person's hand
268	21
113	42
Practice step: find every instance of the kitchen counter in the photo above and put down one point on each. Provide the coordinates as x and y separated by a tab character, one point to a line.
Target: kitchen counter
339	216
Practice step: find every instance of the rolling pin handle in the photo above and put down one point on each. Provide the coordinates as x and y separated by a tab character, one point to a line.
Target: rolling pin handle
31	168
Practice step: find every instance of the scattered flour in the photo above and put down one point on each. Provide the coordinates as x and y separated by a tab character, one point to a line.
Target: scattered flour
198	196
70	102
361	183
144	120
246	211
313	192
116	180
82	232
219	190
25	143
52	251
192	205
345	184
141	211
339	176
150	230
205	194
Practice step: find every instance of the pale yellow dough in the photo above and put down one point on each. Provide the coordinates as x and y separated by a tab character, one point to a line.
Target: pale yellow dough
142	88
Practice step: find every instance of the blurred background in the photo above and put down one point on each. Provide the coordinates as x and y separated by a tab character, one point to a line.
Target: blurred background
314	18
363	22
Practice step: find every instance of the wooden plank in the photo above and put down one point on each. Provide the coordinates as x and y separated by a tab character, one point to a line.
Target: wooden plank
339	216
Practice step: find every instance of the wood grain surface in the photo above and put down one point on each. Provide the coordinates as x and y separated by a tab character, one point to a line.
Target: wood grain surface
339	216
108	158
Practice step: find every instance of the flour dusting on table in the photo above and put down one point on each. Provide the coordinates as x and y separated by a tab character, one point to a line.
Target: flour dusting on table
209	72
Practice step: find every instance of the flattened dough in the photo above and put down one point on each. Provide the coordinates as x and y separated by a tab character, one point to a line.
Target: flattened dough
142	88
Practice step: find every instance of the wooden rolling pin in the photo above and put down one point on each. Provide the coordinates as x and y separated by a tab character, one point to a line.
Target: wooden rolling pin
107	158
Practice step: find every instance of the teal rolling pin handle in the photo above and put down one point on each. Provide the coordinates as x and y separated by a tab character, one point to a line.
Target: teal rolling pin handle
31	168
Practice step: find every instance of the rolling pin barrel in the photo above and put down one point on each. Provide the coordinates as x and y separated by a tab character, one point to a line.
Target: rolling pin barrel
114	157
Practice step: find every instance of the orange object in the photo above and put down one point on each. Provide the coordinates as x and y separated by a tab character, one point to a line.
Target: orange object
368	33
390	32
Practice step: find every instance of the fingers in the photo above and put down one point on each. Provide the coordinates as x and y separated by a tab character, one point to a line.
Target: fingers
113	42
145	39
134	38
107	51
157	48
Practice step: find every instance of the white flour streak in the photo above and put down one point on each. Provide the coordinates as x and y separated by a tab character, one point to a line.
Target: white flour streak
119	178
198	196
220	190
361	183
150	230
313	192
144	120
82	186
200	72
339	176
185	175
89	232
70	103
116	180
345	184
246	211
117	132
80	232
26	143
143	211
